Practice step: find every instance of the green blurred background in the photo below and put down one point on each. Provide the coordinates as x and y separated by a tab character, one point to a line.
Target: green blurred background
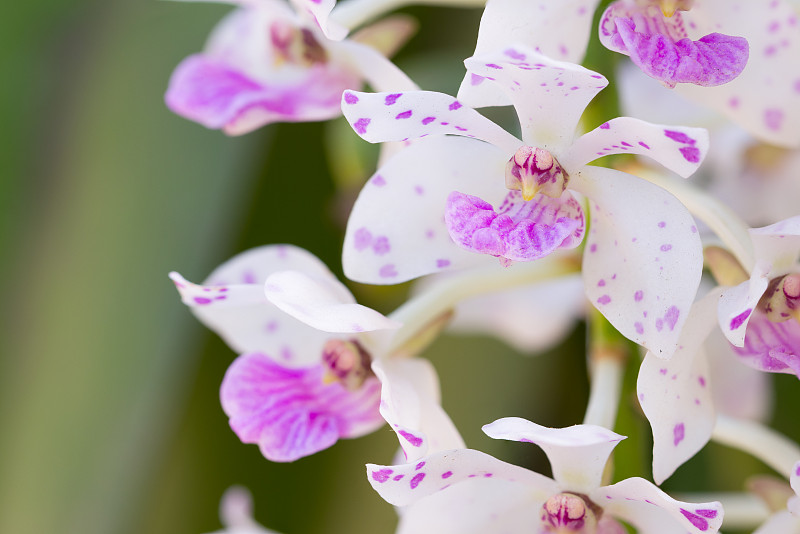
109	414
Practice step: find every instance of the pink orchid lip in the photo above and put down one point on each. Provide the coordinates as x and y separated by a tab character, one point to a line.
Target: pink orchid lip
569	512
781	300
347	362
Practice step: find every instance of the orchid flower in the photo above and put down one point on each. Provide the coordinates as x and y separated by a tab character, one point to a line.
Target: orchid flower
236	513
677	42
431	207
466	491
786	521
760	316
267	62
284	391
296	389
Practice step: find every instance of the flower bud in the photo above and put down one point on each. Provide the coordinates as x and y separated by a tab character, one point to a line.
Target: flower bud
534	170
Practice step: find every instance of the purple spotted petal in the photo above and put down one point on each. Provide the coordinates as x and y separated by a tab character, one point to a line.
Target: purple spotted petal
396	230
291	413
549	95
577	454
643	257
406	484
714	59
379	117
519	230
738	304
765	98
678	148
675	394
559	30
771	347
218	96
411	404
322	303
232	303
640	503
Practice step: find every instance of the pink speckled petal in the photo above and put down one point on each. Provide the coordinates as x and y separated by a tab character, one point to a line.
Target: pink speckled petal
667	55
559	29
640	503
643	257
518	230
577	454
291	413
408	484
678	148
379	117
738	303
411	404
549	95
232	303
675	394
553	306
319	12
778	245
765	98
771	347
396	230
323	304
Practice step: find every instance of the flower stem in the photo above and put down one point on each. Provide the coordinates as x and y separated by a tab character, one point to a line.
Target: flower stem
608	352
354	13
423	309
769	446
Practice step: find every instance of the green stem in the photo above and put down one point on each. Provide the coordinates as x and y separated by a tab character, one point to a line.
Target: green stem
608	353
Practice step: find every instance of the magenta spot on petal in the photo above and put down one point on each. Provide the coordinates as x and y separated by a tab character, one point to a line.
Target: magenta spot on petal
645	145
381	245
350	98
447	474
363	238
679	137
455	105
493	66
773	118
391	99
202	300
382	475
601	283
513	54
690	154
663	371
702	381
441	264
398	477
220	297
360	126
411	438
404	115
605	299
387	271
662	224
639	327
638	296
428	120
476	79
378	181
678	433
697	521
711	514
666	248
605	126
739	320
659	324
416	480
419	466
593	247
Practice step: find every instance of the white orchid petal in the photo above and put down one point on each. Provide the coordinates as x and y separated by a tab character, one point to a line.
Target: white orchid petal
643	257
379	117
738	303
577	454
778	245
319	11
549	95
675	394
411	404
678	148
782	522
322	304
396	230
650	510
